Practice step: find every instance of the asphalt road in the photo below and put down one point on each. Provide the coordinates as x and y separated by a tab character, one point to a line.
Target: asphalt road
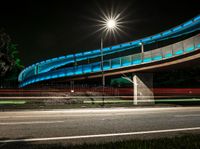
97	125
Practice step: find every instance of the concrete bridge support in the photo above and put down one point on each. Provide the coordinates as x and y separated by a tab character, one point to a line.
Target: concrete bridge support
143	85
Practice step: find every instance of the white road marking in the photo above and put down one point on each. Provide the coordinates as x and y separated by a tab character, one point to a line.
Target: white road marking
92	112
77	115
55	97
105	110
188	115
100	135
33	122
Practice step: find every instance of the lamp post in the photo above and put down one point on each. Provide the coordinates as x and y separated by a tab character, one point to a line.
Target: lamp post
102	71
110	25
103	77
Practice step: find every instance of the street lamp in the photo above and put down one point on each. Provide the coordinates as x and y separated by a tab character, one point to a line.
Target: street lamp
110	25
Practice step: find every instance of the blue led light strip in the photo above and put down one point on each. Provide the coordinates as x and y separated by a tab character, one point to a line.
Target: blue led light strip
50	64
121	62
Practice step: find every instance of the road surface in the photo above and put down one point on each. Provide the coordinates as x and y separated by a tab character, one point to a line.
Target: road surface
97	125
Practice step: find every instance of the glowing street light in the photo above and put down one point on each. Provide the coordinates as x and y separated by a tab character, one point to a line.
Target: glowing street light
109	25
109	22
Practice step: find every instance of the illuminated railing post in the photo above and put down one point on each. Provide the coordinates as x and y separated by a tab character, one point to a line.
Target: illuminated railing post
142	50
172	50
196	42
182	45
161	53
110	63
120	61
132	59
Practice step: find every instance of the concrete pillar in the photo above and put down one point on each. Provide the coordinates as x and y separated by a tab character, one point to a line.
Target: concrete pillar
143	85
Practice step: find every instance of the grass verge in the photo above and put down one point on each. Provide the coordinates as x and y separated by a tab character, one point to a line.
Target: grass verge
181	142
108	103
12	102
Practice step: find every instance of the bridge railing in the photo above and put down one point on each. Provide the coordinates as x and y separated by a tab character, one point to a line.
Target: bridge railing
159	54
50	64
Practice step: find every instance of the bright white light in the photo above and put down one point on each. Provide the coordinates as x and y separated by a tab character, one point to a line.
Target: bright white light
72	91
111	24
140	43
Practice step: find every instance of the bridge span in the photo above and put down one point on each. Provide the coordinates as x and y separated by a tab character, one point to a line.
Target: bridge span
182	45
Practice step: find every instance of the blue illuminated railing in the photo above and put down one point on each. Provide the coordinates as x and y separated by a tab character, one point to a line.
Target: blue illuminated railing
160	54
45	66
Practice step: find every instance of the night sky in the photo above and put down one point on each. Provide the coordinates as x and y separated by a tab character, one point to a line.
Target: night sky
44	29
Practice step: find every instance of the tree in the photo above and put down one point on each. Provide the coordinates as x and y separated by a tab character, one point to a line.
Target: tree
10	64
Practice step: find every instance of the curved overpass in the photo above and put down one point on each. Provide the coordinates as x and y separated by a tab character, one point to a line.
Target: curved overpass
183	50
